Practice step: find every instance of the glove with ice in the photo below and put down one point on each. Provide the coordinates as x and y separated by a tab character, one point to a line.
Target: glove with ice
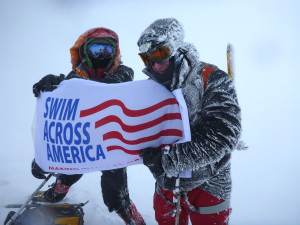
152	159
47	83
36	171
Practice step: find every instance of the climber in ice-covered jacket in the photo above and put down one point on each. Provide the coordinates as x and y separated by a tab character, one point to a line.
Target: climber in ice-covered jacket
200	169
94	56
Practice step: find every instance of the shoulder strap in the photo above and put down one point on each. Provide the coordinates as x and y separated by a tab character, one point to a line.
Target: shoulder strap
205	72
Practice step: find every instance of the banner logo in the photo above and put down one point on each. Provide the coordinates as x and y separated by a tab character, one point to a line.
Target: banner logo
85	126
134	128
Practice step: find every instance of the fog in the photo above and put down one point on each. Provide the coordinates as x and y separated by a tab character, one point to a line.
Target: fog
36	36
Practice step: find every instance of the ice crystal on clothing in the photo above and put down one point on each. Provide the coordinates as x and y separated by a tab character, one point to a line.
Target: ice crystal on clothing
167	30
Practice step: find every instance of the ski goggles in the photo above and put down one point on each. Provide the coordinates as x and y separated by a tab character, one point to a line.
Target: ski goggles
101	50
158	55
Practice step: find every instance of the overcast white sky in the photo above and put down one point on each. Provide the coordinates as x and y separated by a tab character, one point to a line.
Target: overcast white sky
36	36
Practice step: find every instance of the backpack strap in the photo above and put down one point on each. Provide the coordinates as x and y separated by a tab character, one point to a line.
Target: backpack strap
205	210
205	72
220	207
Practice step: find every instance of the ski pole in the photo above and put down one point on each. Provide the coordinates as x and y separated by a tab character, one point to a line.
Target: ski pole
28	200
230	61
45	204
178	197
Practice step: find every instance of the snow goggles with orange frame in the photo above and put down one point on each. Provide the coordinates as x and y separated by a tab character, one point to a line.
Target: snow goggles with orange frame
158	55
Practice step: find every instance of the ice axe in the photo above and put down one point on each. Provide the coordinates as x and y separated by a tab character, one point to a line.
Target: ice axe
178	198
230	61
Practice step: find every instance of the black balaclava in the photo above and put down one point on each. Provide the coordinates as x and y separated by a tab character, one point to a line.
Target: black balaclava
100	65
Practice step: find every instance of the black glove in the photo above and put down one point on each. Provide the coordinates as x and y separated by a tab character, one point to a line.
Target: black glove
47	83
152	159
36	171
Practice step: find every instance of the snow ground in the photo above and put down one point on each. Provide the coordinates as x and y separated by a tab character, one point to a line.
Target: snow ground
35	39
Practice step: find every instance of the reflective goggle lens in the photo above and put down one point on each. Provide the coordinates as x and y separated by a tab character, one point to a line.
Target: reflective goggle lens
104	50
157	55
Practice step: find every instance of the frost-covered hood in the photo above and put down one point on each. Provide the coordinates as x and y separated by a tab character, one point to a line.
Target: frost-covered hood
92	33
168	30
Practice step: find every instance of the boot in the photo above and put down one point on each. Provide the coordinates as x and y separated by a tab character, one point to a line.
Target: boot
55	193
131	216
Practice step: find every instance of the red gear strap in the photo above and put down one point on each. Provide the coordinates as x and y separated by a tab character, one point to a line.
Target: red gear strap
205	72
61	188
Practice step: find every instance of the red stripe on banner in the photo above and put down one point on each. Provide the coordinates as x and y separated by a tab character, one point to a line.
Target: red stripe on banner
135	128
116	147
126	111
131	152
118	135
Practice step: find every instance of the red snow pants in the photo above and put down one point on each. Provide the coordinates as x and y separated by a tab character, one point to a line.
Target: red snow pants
197	198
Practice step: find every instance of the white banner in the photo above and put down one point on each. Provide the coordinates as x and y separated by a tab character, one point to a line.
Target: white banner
85	126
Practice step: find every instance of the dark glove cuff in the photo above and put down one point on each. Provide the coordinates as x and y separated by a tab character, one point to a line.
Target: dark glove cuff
152	158
36	170
61	77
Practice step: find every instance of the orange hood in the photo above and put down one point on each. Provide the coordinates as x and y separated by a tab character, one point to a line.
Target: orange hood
100	32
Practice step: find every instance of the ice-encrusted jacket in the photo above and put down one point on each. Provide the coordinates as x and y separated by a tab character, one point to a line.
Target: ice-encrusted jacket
215	122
